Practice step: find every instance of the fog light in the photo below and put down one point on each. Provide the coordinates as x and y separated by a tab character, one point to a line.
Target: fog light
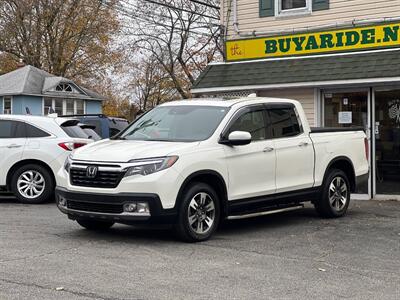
130	207
143	207
62	201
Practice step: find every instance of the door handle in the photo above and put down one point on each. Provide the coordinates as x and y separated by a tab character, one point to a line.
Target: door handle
268	149
303	144
14	146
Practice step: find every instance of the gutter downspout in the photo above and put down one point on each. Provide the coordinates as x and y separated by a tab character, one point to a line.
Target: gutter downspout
235	18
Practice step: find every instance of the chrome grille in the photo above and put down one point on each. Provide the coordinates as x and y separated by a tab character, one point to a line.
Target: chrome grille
103	178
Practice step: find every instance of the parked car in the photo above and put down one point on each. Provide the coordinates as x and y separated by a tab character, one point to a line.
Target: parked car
32	150
194	163
105	127
90	131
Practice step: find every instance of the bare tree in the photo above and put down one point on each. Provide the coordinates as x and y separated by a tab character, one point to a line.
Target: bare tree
152	85
181	36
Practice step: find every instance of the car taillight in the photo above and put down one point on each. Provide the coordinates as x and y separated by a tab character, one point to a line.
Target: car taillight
69	146
366	146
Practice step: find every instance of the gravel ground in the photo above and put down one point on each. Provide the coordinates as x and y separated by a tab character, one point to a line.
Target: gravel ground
295	255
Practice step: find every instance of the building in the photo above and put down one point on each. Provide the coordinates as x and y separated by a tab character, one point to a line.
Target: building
31	90
340	59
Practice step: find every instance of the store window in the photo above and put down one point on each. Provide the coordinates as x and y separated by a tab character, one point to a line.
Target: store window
7	105
347	109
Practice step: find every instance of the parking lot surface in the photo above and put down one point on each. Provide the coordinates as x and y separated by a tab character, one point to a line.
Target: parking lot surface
294	255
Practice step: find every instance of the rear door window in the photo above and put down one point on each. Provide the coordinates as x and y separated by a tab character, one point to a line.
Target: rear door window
284	122
34	132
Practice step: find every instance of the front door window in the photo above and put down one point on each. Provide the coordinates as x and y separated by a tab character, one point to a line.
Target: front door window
387	141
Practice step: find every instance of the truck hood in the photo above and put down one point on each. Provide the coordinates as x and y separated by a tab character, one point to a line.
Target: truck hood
124	151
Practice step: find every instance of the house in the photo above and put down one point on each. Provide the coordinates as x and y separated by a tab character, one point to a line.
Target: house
340	59
29	89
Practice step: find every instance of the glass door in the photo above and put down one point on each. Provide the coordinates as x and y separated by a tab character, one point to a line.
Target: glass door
347	109
387	142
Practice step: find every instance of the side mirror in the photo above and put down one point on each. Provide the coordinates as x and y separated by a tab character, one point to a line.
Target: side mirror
239	138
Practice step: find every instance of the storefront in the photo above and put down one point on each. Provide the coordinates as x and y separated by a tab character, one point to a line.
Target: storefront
343	78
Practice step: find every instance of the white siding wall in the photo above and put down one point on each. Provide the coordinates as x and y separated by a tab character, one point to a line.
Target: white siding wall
304	96
340	11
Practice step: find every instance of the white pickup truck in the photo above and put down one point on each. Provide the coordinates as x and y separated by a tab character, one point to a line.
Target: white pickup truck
192	163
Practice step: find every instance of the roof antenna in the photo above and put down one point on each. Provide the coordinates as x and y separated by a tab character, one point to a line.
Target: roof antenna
27	110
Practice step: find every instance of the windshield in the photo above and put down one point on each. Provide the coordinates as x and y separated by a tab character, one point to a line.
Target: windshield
187	123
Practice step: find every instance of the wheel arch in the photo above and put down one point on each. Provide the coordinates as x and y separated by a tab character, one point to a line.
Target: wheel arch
25	162
210	177
346	165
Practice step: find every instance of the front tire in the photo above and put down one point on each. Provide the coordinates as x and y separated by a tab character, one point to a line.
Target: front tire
335	195
32	184
199	213
95	225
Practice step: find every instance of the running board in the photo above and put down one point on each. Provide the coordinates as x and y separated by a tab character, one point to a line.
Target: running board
263	213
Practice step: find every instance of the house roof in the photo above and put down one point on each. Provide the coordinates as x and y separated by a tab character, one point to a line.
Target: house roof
300	71
30	80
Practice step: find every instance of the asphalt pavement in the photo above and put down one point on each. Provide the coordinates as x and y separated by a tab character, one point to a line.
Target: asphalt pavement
295	255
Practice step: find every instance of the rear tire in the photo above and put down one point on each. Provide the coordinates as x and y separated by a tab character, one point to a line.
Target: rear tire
95	225
32	184
335	195
199	213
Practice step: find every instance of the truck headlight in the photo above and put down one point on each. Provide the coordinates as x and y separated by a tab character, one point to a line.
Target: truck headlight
150	165
67	163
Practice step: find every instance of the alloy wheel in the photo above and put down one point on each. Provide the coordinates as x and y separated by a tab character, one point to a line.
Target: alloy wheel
201	213
31	184
338	193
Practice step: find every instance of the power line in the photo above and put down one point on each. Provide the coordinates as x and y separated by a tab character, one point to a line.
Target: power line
153	22
205	4
180	9
133	8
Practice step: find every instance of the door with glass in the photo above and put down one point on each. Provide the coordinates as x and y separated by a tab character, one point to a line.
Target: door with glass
347	109
387	142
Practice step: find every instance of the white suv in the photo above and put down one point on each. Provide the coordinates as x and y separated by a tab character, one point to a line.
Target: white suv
32	150
193	163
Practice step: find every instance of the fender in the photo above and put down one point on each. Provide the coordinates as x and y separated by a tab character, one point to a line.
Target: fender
352	179
223	192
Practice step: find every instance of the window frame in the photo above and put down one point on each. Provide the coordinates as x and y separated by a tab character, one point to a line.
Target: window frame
4	105
279	12
270	106
63	105
240	112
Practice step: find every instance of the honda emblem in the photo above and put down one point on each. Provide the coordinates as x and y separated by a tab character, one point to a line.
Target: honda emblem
91	171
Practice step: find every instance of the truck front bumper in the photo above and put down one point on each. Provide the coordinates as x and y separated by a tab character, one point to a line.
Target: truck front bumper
110	207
